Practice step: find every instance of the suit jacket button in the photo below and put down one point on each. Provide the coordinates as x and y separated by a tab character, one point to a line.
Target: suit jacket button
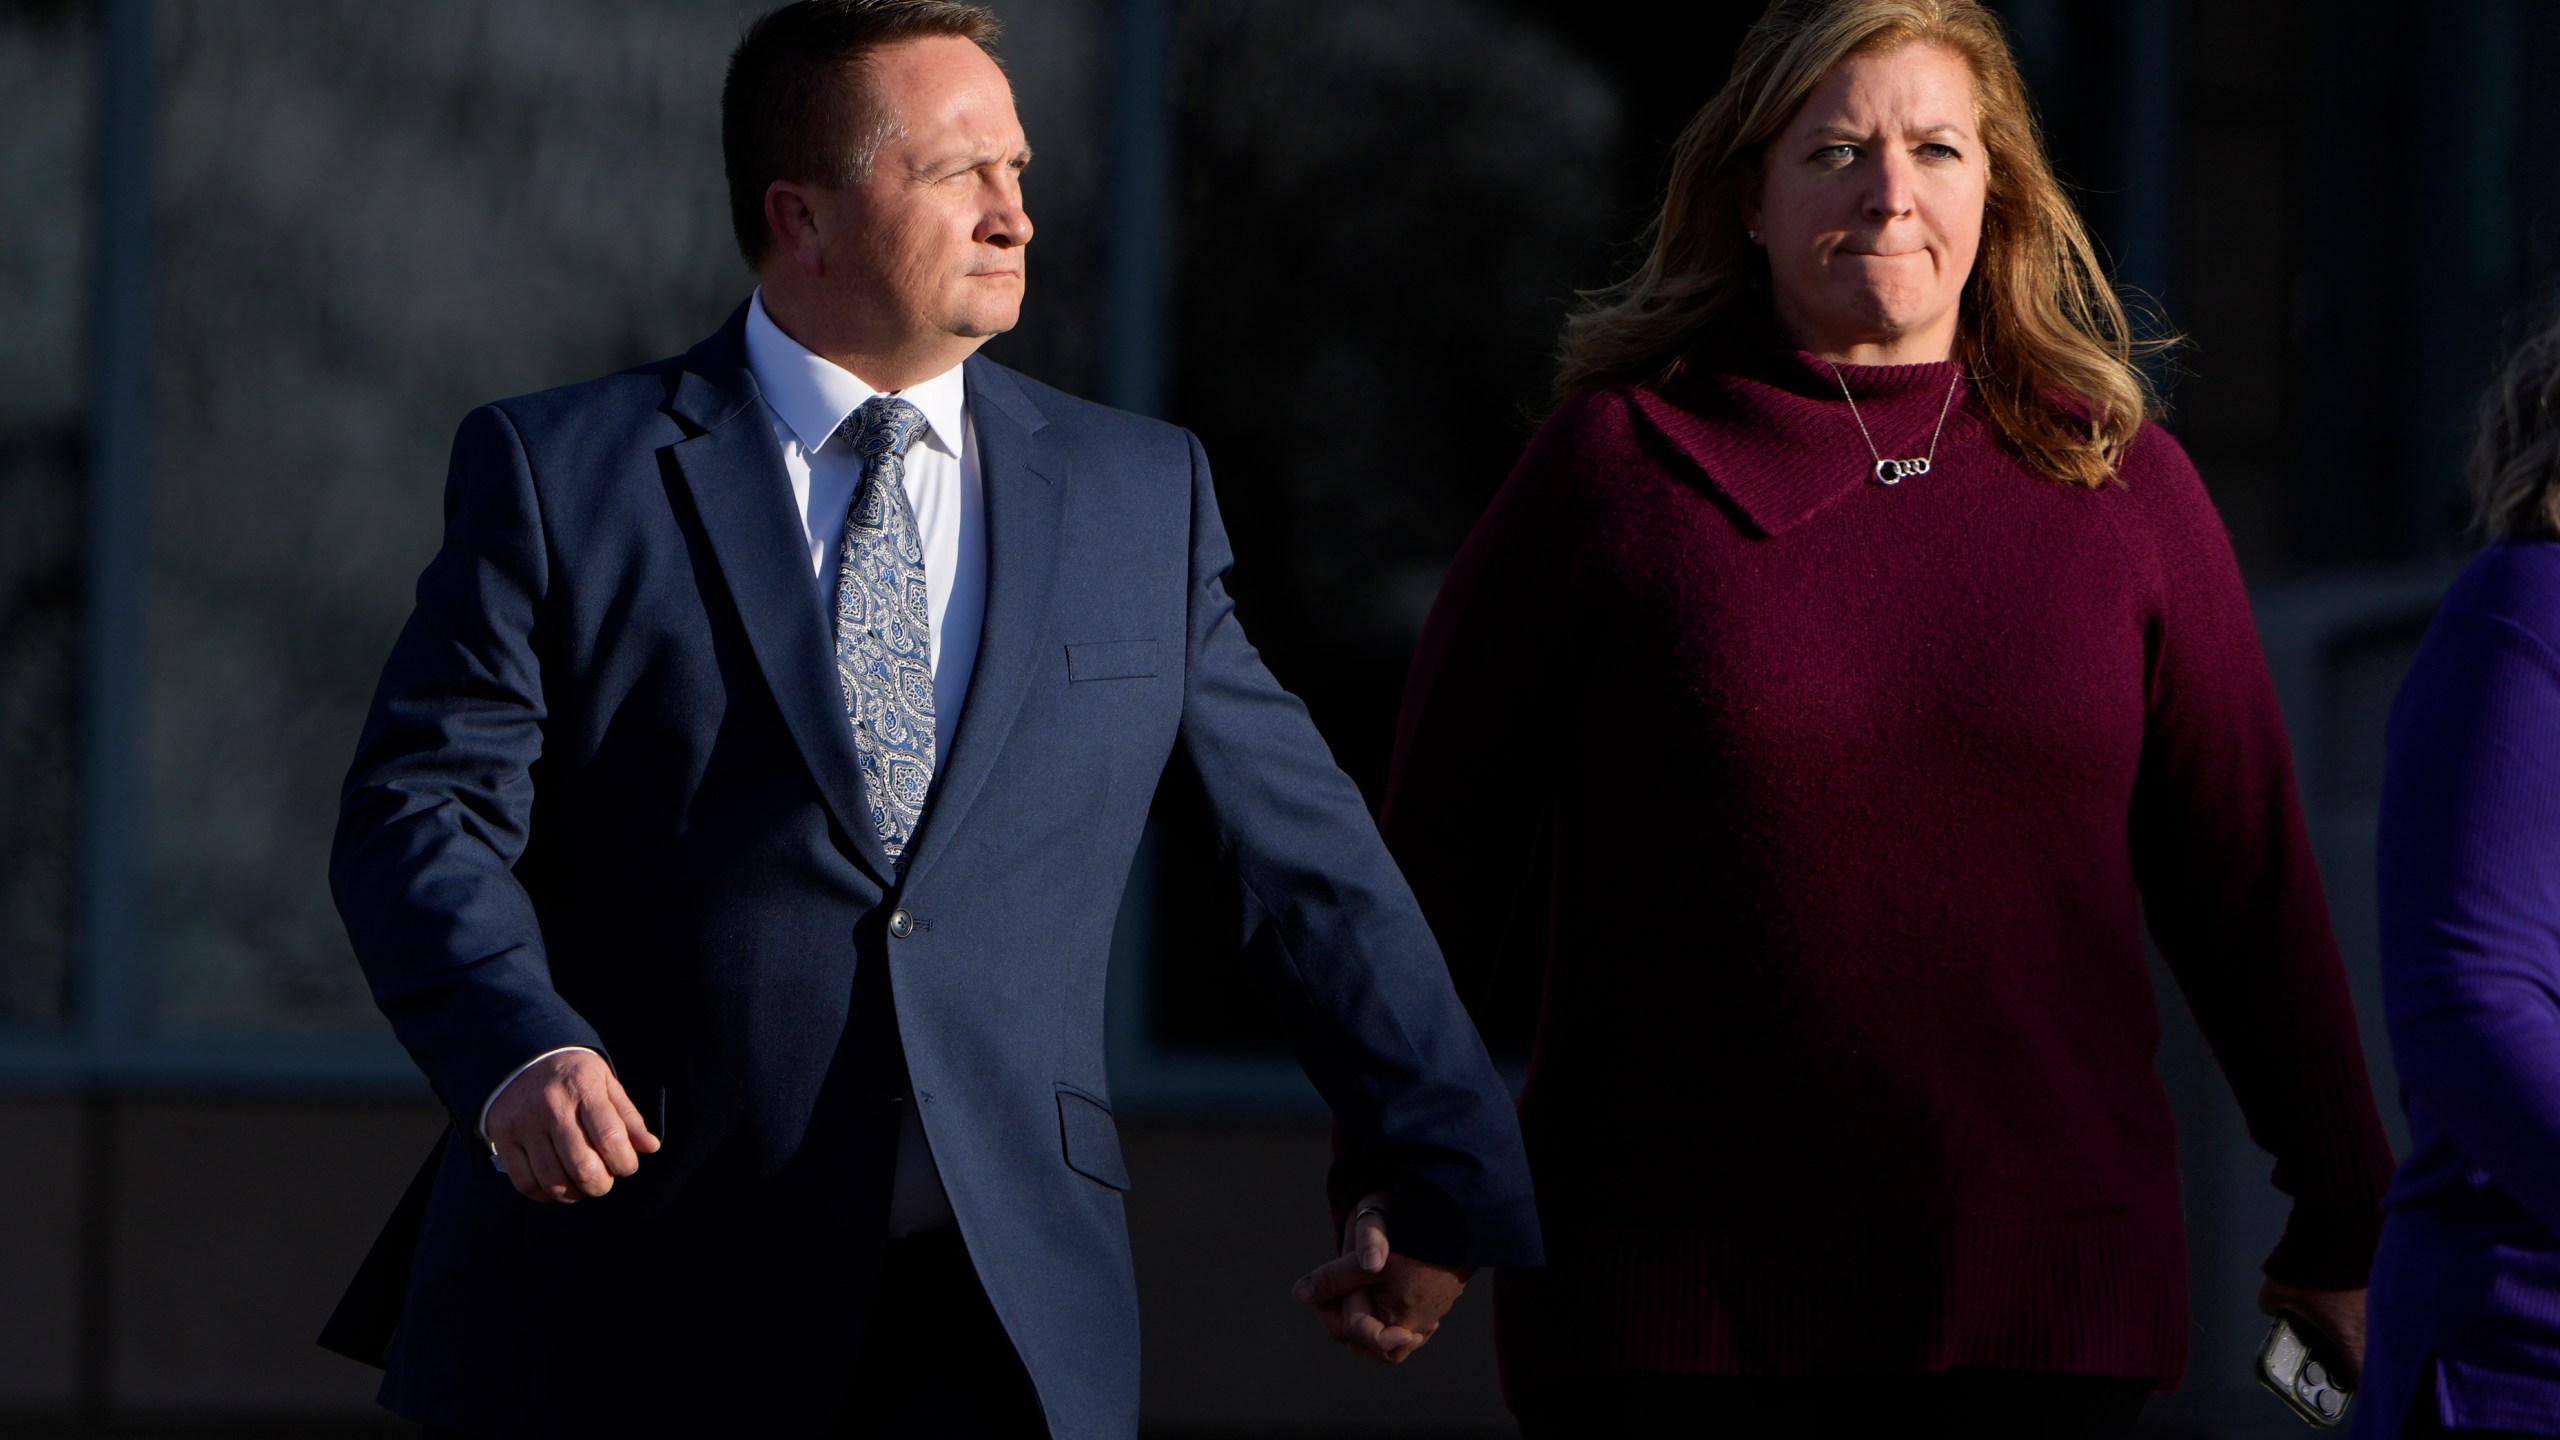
901	924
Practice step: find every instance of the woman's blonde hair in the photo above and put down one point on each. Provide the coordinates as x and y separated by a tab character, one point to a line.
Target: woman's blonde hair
2515	460
2043	334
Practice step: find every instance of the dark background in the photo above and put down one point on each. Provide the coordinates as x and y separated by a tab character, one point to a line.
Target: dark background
258	256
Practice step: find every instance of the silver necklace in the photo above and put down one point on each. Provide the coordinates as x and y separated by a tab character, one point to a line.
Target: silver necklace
1894	472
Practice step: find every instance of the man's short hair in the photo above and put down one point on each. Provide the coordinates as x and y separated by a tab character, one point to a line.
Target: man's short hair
798	104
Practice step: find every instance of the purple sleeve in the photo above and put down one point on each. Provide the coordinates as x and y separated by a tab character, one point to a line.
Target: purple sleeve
2468	862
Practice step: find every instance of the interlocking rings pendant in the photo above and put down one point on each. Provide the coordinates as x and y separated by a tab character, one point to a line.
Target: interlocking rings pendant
1894	472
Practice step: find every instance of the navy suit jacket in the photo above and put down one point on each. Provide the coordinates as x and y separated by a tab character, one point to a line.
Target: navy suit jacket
607	796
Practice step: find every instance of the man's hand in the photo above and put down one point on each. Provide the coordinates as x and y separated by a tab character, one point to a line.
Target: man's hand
1379	1303
564	1129
2338	1313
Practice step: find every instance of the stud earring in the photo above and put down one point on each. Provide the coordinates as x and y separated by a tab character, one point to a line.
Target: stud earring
1754	234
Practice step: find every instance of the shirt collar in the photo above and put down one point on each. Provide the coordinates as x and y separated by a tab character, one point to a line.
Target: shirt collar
813	395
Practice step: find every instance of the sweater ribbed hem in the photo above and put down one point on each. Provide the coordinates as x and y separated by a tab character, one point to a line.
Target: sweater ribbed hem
2097	1296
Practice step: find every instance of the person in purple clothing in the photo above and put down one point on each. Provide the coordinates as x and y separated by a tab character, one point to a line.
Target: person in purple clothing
2465	1305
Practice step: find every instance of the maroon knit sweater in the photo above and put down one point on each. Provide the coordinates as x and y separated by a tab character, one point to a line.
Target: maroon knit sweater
1818	821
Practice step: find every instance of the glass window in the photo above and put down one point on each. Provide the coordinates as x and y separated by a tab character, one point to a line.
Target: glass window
46	102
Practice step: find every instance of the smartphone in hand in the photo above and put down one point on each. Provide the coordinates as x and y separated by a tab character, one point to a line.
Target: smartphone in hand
2306	1370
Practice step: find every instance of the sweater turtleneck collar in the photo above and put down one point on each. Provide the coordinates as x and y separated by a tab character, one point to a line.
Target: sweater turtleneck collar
1768	425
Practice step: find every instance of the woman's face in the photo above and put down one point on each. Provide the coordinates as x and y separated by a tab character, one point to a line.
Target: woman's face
1870	206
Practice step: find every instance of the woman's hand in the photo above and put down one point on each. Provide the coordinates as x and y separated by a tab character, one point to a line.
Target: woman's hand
2338	1313
1379	1303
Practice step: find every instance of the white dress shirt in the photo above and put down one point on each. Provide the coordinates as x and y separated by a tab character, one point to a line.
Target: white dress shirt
809	397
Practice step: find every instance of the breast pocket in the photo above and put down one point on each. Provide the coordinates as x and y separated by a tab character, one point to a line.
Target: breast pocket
1111	660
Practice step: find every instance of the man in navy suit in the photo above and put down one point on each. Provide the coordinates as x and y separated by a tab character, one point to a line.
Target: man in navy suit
738	829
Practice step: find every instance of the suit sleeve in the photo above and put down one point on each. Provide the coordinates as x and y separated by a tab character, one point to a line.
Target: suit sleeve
2471	901
438	805
1419	1109
2232	891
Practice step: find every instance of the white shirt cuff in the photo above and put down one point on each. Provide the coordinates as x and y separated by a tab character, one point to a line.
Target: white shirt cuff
511	1079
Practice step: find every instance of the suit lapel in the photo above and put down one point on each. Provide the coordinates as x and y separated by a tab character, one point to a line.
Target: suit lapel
732	467
1024	476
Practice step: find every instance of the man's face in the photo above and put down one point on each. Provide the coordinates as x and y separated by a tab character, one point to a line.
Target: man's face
928	247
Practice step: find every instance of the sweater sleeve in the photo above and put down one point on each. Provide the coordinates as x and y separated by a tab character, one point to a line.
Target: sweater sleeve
2232	892
1464	813
2470	901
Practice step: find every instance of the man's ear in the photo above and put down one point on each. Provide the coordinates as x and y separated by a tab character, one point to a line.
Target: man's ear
793	221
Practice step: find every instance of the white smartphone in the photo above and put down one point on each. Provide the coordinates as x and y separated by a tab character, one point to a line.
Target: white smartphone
2303	1366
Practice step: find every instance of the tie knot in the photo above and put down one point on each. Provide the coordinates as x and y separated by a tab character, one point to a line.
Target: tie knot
885	425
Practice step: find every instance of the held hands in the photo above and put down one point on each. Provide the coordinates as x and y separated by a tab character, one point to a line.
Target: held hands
2338	1313
564	1130
1379	1303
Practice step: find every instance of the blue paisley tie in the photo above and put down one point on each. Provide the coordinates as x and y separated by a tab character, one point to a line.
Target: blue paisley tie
884	627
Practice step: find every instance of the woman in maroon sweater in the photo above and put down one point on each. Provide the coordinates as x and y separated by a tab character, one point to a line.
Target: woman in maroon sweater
1844	674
